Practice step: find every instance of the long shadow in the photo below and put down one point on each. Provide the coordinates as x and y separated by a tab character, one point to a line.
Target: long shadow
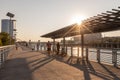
86	67
15	69
33	56
25	48
69	59
91	68
85	70
36	60
41	63
41	60
82	66
110	72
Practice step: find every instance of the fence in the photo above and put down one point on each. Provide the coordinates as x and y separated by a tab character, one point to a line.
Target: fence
4	50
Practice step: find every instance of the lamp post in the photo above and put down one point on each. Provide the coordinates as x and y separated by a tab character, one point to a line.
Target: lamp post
14	30
11	16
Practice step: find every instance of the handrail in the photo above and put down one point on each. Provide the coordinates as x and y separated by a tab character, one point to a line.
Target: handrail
1	47
4	50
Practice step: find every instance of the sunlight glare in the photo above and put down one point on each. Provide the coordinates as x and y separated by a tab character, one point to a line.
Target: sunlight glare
78	19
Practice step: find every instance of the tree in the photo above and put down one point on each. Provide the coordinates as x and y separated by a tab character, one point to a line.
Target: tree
0	42
5	38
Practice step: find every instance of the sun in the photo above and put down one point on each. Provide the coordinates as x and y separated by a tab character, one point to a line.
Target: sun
78	19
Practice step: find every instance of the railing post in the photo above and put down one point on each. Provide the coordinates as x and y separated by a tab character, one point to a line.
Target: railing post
78	52
5	51
53	45
72	51
41	47
45	48
98	55
82	46
66	49
114	57
87	54
2	57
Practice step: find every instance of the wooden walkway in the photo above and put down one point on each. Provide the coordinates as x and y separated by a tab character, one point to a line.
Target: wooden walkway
24	64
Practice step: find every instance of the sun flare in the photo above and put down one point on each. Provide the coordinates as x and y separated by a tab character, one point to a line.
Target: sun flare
78	19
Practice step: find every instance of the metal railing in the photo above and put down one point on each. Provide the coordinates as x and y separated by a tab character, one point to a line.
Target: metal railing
101	54
4	50
109	56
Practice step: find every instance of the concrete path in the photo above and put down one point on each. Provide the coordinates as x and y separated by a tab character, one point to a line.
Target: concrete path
24	64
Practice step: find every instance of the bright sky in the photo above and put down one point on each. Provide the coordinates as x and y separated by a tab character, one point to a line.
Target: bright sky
38	17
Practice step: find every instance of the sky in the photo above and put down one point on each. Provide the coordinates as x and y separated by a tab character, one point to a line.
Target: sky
38	17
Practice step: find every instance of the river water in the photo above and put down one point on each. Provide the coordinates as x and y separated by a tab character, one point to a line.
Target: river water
105	54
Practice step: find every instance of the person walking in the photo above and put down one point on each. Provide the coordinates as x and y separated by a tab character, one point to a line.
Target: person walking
48	47
16	45
58	47
38	44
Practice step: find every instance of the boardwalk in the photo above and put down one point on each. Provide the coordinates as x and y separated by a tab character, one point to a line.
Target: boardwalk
24	64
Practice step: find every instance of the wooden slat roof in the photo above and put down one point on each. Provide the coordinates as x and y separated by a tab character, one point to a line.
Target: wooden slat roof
103	22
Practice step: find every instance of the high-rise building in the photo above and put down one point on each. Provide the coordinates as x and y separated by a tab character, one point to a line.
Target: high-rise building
9	27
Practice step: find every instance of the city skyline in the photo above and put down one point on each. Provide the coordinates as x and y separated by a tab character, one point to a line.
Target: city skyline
35	18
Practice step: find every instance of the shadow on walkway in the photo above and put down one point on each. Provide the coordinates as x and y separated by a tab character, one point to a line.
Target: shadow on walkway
41	62
15	69
89	68
115	77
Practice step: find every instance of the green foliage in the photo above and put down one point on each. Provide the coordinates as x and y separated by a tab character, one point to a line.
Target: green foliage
5	38
0	42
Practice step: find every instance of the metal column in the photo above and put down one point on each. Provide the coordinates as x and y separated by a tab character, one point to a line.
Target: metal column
53	45
82	46
63	47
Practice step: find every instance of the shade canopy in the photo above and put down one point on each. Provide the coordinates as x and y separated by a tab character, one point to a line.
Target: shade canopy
103	22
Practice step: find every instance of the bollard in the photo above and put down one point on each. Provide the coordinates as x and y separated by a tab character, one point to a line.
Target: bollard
98	55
